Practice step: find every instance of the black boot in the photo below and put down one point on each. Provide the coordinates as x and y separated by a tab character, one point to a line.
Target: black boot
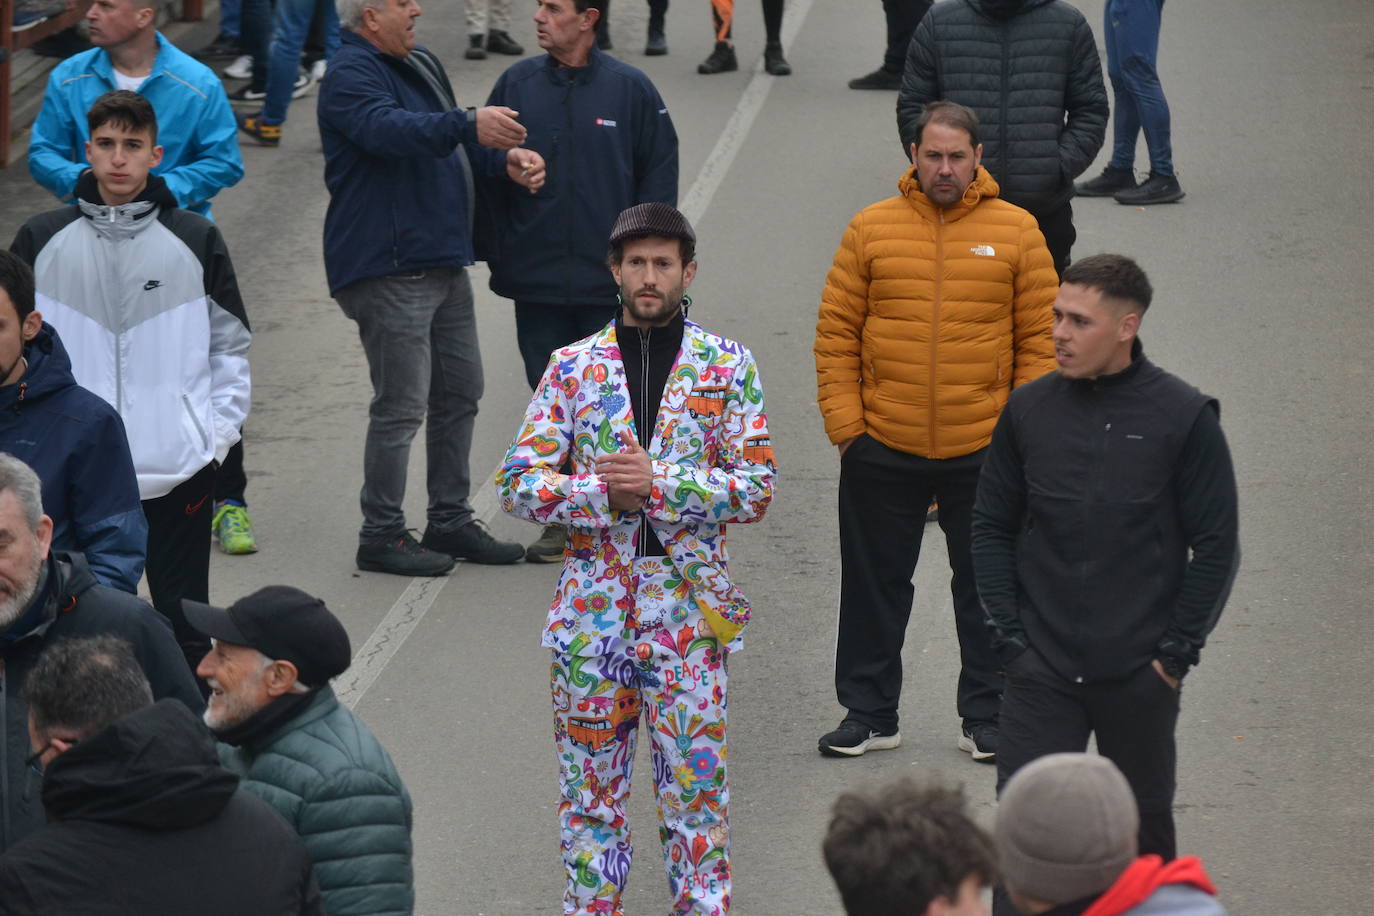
1157	189
657	45
475	50
722	60
774	62
499	42
878	79
1107	184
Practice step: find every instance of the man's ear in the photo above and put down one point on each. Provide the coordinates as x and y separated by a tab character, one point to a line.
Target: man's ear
280	677
689	274
33	323
1130	326
911	152
144	17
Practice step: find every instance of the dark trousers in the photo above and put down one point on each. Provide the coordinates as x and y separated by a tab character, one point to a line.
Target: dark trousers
1131	35
1133	720
884	495
902	18
540	329
1057	228
230	479
178	564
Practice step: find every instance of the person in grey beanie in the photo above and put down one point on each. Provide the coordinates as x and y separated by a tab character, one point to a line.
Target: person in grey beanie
1066	846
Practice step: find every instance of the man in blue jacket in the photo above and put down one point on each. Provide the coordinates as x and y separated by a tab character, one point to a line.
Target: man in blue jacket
609	142
400	158
197	132
71	438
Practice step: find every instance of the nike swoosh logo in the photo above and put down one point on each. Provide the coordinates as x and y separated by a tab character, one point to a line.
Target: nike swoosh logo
192	509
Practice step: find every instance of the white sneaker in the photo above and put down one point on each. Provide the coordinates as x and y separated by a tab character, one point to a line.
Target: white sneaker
303	84
317	69
240	69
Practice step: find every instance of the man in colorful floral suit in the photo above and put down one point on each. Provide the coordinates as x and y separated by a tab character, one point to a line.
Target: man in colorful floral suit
665	426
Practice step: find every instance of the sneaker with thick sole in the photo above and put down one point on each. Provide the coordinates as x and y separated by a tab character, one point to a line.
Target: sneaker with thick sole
499	42
318	68
549	547
980	741
1157	189
473	542
240	69
475	49
304	83
245	94
233	530
265	134
774	62
879	79
657	43
854	739
402	556
1109	183
722	60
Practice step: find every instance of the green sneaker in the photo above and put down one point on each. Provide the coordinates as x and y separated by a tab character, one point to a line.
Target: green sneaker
233	530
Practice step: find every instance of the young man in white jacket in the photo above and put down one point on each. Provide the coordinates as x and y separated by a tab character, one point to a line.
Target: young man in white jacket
144	296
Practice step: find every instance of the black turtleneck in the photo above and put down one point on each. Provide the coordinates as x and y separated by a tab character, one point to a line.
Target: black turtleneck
267	720
648	355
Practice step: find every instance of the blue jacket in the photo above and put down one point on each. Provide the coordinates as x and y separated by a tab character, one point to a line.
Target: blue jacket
196	126
608	143
75	443
398	193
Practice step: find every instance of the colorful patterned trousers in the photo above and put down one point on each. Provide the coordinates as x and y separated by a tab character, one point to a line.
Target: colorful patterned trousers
673	677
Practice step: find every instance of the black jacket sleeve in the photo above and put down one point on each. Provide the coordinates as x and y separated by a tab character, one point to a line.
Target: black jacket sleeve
1207	505
998	513
1085	106
920	82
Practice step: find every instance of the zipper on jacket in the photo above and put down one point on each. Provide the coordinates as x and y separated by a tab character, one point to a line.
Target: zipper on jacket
643	418
935	319
195	421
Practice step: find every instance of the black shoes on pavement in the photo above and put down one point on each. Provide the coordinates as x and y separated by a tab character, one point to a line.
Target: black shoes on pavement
854	739
1107	184
878	79
980	741
1157	189
774	62
402	556
473	542
500	42
657	43
722	60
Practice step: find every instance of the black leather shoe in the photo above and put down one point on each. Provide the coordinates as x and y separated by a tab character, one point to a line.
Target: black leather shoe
657	45
878	79
1108	184
475	50
499	42
474	543
1157	189
402	556
774	62
722	60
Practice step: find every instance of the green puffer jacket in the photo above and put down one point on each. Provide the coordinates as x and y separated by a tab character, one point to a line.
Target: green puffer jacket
331	779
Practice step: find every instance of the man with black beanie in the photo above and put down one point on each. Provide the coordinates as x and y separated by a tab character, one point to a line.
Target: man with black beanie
303	752
663	425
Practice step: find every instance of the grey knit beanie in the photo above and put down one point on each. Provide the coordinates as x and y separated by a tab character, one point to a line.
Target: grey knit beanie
1066	828
651	220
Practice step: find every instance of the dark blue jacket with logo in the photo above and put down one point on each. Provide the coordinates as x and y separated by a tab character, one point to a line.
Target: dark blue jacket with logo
399	198
75	443
608	143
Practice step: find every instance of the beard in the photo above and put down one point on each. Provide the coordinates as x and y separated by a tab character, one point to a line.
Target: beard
653	311
14	601
225	710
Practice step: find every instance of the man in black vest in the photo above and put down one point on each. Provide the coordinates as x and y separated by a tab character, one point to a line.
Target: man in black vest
1104	543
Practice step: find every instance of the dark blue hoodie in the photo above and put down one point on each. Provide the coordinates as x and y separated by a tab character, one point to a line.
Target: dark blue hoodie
608	143
75	442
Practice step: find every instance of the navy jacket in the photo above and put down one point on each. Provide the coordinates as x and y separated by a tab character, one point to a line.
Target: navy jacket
398	193
608	143
75	443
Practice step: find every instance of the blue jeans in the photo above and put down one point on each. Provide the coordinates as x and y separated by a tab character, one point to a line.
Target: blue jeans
229	17
541	329
1131	34
419	332
290	28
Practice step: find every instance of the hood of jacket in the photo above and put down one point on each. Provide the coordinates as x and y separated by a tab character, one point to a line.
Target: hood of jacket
1005	9
68	575
49	371
155	769
122	220
1146	875
982	187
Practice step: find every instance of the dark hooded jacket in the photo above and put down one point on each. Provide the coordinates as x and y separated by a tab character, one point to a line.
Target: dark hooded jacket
71	604
1029	69
74	441
143	820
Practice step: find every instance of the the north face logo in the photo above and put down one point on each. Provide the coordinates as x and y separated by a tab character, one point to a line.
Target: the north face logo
986	251
152	284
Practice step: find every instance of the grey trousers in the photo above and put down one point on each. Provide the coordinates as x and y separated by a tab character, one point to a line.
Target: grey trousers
419	332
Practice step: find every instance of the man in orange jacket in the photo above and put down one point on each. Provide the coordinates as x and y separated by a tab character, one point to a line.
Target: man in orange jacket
939	301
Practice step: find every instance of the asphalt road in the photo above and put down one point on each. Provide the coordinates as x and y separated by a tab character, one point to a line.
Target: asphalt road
1262	280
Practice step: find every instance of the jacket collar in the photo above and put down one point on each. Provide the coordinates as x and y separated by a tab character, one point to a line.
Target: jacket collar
562	75
122	220
49	371
1117	379
694	359
103	64
278	718
983	187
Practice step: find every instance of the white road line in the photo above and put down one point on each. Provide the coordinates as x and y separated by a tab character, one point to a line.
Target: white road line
419	596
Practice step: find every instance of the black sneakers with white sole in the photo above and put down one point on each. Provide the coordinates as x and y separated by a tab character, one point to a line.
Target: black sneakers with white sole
854	739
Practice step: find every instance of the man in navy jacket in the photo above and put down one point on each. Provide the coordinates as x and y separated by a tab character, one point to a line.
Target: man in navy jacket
610	144
400	158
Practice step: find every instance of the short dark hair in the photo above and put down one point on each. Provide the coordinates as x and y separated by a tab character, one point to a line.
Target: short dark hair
896	849
686	247
125	109
85	684
1115	276
16	279
583	5
950	114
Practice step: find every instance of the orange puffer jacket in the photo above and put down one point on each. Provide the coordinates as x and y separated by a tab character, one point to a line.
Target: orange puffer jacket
930	316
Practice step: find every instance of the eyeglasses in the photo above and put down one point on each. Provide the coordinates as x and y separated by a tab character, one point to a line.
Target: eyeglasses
33	761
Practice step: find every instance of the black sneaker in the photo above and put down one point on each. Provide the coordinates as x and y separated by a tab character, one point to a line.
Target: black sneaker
474	543
499	42
247	94
980	740
550	546
878	79
1157	189
402	556
476	48
223	46
854	739
722	60
657	43
1107	184
774	62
